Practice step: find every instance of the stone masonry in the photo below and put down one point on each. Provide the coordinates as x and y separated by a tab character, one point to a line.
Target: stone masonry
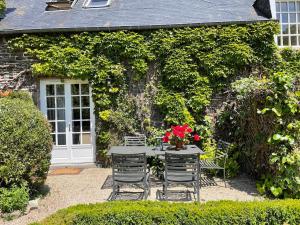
15	71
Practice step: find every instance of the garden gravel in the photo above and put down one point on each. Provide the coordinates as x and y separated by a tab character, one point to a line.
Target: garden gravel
67	190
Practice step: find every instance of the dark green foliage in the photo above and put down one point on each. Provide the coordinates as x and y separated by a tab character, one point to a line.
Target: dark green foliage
212	213
25	143
12	199
264	123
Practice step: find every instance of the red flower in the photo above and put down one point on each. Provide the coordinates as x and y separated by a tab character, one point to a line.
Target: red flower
189	130
165	139
168	134
197	137
181	135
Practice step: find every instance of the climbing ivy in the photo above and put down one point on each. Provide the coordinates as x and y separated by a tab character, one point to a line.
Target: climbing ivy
141	79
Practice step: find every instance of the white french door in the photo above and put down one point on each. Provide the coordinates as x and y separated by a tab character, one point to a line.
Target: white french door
69	109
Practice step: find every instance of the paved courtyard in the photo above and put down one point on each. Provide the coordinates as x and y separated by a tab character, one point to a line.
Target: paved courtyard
93	185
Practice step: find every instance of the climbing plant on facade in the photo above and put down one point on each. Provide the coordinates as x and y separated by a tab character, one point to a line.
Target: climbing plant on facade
175	71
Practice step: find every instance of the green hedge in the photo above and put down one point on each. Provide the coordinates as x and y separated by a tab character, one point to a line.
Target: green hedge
222	212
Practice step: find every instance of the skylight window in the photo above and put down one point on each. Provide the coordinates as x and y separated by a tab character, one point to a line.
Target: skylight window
96	3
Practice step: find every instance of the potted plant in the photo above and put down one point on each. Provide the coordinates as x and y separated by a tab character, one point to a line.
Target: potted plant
180	136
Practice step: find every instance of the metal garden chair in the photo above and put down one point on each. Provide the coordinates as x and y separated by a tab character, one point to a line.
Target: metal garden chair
182	169
130	169
135	140
221	153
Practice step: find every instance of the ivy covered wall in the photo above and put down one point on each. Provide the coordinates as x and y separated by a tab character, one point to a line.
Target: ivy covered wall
145	81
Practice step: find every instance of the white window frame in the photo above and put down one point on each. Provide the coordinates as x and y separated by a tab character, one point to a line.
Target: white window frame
86	4
297	24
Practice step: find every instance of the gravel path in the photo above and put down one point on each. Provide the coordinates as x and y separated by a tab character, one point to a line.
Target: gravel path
67	190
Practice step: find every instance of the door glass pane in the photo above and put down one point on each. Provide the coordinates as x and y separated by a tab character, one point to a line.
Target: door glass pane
293	40
86	126
293	29
50	90
76	114
60	114
75	89
292	17
86	138
76	139
50	102
51	114
60	90
61	139
85	89
284	7
277	6
278	16
76	126
85	114
85	101
285	41
61	126
76	101
292	6
60	102
284	18
285	29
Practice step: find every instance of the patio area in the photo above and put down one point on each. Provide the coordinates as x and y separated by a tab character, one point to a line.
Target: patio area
93	185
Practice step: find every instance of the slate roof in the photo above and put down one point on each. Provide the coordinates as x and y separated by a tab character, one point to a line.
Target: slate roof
25	16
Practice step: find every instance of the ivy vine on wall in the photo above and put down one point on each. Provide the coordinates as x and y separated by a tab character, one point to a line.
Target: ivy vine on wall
143	81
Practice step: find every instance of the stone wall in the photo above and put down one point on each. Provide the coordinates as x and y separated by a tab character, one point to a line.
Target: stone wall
15	70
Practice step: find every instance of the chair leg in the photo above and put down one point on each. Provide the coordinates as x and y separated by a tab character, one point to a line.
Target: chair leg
200	178
224	176
114	192
149	186
198	192
165	191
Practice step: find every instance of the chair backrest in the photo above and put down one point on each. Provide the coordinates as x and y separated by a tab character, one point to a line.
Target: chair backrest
135	140
222	149
181	165
129	165
161	144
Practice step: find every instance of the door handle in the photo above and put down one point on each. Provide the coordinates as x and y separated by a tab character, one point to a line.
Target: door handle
69	127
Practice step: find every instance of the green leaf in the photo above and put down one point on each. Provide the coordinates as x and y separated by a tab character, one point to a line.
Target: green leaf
276	191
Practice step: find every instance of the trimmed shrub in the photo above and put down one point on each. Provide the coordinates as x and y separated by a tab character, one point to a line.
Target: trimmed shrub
222	212
13	199
25	143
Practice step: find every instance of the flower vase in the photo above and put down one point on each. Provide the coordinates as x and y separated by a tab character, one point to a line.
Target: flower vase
179	145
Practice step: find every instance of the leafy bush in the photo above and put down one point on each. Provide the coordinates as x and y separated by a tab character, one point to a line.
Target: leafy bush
222	212
264	123
12	199
25	144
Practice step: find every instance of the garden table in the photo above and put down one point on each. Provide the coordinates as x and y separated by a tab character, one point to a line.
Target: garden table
152	151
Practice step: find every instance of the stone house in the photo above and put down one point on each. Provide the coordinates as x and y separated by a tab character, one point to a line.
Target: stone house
57	16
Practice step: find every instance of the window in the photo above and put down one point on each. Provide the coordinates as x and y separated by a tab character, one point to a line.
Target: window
96	3
288	13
